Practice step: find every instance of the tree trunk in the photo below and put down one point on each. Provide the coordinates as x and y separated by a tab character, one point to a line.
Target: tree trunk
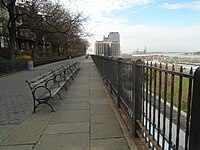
58	50
12	43
35	48
12	32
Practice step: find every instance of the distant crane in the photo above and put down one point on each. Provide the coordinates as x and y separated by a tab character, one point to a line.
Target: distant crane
145	50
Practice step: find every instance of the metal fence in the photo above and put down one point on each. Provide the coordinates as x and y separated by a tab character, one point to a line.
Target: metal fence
9	66
161	102
42	61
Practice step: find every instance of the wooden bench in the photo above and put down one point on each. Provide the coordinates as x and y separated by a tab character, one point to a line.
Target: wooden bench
46	86
72	70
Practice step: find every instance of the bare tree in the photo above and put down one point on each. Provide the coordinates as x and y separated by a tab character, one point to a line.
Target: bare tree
10	7
47	20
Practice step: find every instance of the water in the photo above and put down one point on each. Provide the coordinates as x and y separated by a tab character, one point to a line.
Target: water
181	55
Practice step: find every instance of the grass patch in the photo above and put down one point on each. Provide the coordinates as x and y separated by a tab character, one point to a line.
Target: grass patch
169	84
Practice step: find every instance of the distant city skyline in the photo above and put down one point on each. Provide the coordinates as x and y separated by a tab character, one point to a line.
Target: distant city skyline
167	25
109	45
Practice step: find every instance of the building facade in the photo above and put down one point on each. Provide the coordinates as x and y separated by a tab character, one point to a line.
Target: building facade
115	48
114	36
109	46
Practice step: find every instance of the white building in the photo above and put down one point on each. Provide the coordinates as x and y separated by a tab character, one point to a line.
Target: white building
110	46
115	48
99	48
114	36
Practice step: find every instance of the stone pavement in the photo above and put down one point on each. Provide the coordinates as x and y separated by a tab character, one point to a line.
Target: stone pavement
16	102
84	120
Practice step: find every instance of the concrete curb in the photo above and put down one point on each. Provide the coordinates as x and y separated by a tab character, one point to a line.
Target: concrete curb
120	120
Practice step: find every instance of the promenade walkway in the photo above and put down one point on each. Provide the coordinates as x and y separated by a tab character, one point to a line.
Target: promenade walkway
16	102
84	120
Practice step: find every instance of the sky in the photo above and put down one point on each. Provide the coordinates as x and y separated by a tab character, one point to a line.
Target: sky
160	25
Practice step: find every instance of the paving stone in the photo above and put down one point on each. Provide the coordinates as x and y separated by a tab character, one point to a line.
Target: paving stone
101	109
4	133
96	87
64	142
97	94
81	86
76	93
17	147
15	94
78	127
105	130
96	101
109	144
70	116
107	118
27	133
83	118
76	100
77	106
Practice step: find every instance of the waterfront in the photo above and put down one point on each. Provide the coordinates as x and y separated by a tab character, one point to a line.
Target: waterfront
178	59
180	55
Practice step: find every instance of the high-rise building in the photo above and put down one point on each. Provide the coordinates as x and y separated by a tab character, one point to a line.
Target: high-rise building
99	48
106	47
110	46
114	36
115	48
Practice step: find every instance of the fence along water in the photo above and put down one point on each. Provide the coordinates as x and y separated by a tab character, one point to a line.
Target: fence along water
161	102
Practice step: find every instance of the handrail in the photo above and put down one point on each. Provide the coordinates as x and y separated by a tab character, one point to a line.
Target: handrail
165	97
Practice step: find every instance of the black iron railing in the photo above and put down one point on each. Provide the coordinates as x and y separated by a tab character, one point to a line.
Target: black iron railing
9	66
161	102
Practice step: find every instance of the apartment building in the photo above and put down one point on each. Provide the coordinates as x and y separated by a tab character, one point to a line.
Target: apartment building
109	46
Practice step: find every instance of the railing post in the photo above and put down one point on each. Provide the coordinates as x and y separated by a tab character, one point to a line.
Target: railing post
106	66
136	95
111	75
118	82
103	68
195	119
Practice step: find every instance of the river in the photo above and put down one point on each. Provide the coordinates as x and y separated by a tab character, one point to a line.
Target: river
181	55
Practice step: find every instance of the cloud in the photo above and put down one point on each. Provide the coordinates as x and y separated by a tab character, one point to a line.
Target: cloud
133	36
97	7
195	5
156	38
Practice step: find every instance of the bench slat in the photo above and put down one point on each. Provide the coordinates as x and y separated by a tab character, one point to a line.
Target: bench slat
47	85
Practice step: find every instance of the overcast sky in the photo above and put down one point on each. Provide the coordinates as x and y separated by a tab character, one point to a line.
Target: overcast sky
160	25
